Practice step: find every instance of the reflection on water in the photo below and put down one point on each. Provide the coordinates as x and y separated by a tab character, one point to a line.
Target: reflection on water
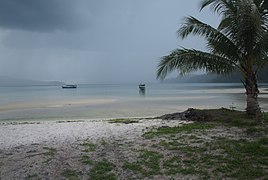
142	92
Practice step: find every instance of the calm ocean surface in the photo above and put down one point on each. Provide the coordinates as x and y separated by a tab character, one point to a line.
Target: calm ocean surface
118	100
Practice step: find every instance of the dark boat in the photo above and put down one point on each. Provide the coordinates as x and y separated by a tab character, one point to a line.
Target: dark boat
142	86
69	86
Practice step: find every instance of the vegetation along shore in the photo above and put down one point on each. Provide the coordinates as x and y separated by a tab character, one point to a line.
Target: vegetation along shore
218	143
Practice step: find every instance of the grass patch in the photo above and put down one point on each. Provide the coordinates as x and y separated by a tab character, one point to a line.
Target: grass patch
148	163
70	174
124	121
171	145
135	167
243	159
86	160
218	157
226	116
89	146
188	128
240	159
172	165
265	117
257	131
102	170
50	151
31	176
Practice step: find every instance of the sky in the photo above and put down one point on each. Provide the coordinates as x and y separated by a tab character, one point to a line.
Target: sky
92	41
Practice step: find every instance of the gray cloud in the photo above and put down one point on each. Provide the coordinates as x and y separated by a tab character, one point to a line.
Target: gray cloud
40	15
100	41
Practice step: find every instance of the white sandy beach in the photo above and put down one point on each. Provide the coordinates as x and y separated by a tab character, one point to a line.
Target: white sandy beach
25	148
56	133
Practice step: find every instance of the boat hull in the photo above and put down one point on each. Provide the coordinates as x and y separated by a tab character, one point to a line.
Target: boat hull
69	86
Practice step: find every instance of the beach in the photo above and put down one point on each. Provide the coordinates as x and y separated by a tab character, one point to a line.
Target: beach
133	148
48	133
25	147
62	132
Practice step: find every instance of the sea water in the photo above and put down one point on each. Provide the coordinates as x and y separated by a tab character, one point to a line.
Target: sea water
102	101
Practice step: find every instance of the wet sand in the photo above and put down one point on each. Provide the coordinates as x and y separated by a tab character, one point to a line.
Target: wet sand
52	104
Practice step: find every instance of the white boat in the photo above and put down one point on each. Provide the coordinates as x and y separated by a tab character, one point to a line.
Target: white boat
69	86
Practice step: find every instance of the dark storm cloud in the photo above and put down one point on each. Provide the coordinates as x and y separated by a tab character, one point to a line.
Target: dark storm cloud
40	15
92	41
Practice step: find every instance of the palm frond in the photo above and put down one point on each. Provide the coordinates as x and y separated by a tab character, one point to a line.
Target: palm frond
195	27
222	47
218	42
261	48
250	19
245	26
219	6
188	60
262	5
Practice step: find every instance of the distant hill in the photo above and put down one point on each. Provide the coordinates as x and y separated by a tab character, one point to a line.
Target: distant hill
9	81
214	78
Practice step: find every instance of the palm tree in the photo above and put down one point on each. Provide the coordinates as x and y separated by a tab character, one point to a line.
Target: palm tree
239	43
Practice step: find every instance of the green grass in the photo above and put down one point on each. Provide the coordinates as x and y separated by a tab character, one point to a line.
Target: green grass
148	163
70	174
171	145
102	170
238	159
257	131
243	159
86	160
179	151
265	117
218	157
50	151
136	167
188	128
88	146
124	121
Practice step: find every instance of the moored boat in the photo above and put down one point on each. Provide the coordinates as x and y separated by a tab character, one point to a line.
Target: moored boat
69	86
142	86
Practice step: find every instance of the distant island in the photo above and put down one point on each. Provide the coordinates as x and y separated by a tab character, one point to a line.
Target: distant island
214	78
6	81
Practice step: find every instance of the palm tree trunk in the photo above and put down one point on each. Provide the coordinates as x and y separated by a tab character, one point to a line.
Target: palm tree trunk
252	92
